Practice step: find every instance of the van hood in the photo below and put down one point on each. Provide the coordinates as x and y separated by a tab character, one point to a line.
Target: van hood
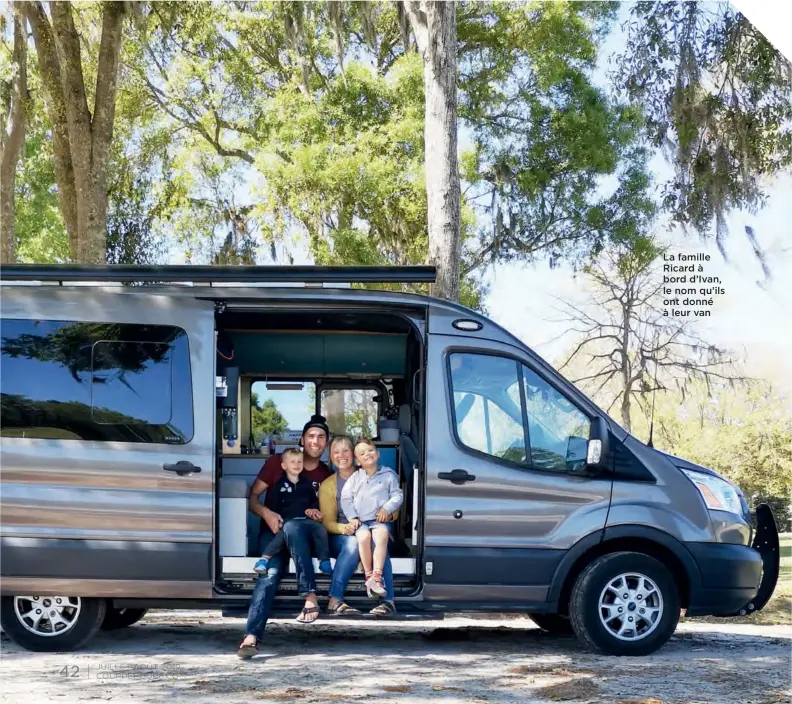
692	466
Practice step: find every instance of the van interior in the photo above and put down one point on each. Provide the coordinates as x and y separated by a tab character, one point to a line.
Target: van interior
359	369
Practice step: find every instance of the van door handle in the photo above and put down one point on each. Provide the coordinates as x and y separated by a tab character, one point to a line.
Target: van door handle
182	468
457	476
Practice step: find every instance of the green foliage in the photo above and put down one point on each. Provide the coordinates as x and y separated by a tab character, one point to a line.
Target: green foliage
717	98
317	116
743	432
265	419
41	234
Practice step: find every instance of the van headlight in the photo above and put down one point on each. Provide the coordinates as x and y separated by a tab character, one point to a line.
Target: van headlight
717	493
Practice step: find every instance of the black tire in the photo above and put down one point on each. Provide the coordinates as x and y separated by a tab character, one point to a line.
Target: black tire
121	618
584	605
553	623
86	624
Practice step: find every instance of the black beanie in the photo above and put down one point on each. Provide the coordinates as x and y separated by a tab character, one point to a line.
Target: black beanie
317	421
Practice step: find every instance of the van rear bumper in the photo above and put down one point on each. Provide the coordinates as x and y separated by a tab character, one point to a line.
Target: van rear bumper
737	579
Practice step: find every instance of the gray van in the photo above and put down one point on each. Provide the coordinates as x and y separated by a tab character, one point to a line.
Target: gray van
128	449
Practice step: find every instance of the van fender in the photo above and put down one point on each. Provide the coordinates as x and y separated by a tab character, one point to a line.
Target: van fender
614	539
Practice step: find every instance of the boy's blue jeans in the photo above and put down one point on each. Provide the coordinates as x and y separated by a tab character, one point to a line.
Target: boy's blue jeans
345	549
298	540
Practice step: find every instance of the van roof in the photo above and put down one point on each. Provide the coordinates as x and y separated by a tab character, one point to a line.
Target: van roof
297	284
188	274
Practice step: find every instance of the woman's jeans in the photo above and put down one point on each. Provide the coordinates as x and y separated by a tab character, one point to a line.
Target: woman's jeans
345	549
298	541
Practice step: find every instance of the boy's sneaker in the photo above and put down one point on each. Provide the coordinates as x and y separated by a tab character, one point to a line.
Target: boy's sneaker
261	566
325	567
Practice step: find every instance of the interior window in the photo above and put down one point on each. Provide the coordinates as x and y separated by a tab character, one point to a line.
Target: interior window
350	411
486	415
558	431
278	406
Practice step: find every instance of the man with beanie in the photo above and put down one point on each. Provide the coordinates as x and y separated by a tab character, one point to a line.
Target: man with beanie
314	441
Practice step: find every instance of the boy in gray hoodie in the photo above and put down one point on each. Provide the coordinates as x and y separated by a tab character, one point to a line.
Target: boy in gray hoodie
369	496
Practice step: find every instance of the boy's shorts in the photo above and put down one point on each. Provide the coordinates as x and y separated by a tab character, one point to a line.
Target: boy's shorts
370	526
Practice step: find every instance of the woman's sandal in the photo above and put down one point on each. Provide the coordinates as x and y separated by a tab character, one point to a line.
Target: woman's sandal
305	612
340	608
247	650
384	608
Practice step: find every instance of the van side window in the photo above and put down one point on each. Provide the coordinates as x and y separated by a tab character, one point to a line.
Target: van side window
95	381
487	417
557	430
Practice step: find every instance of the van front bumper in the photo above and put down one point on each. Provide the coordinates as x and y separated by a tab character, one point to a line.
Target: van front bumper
736	579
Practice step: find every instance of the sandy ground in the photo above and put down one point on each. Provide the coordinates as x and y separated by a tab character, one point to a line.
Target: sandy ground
181	657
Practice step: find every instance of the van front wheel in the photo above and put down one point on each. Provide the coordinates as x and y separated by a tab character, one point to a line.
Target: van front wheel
625	603
51	623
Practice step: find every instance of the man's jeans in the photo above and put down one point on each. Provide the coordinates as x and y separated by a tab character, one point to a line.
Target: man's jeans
345	549
299	544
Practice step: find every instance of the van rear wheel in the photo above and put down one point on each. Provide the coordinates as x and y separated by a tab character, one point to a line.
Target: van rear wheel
553	623
51	623
121	618
625	603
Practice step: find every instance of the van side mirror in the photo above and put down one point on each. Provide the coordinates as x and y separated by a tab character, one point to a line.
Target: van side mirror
598	445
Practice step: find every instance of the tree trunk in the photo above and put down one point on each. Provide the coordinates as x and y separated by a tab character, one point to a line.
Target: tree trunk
434	26
12	140
49	68
81	141
626	371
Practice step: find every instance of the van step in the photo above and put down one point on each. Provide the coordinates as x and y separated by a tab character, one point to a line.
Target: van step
327	618
241	568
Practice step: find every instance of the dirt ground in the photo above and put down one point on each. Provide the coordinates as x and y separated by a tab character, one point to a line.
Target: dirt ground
181	657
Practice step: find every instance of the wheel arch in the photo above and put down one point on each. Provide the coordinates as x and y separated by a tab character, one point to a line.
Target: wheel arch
625	538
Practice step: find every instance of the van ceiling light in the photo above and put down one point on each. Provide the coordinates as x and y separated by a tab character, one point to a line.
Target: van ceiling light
467	325
284	387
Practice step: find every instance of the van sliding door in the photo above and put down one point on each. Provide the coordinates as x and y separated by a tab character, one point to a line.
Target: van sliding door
107	453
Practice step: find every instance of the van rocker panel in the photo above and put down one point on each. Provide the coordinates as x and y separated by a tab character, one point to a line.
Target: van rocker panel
491	566
106	559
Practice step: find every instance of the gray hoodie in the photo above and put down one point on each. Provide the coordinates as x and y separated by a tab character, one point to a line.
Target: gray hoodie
362	496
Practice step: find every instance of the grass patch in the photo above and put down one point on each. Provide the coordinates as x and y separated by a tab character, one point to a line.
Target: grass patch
785	539
403	688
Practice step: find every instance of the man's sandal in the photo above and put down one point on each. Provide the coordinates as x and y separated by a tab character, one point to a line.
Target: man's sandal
384	608
247	650
305	612
340	608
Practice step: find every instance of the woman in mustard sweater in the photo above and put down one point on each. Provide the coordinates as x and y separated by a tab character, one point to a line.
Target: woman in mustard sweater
343	543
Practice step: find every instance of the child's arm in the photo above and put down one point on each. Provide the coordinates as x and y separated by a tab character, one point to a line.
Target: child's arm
396	494
348	497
